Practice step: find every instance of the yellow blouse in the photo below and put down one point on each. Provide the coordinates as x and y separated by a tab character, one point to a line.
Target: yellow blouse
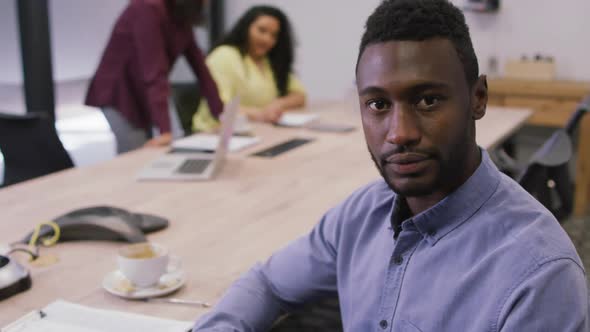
238	75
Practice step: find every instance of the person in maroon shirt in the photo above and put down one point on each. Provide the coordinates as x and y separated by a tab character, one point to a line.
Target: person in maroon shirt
131	82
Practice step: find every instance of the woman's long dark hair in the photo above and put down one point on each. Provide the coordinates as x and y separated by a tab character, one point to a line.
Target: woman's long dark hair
280	56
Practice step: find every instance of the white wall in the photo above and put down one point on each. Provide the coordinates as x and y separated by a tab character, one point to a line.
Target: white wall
527	27
329	32
10	63
79	32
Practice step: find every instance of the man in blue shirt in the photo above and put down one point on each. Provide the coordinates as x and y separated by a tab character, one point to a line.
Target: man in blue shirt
444	242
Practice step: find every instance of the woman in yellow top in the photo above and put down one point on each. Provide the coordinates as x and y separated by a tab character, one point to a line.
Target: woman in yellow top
254	61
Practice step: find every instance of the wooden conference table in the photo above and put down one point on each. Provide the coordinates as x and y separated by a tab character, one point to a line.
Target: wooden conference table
218	228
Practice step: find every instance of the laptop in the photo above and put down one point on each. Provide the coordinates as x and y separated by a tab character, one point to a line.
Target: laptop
186	165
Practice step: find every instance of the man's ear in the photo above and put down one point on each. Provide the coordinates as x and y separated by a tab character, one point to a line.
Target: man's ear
479	97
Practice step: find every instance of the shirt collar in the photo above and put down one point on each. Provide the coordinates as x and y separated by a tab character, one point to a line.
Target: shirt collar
455	209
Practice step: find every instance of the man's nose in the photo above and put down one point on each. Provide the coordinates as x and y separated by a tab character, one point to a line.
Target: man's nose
404	129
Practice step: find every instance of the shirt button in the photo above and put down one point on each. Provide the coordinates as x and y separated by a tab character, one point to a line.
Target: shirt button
398	260
383	324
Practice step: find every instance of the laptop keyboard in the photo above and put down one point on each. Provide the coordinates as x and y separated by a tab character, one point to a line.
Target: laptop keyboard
193	166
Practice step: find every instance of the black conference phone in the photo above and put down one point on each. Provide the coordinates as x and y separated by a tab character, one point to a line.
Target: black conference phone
103	223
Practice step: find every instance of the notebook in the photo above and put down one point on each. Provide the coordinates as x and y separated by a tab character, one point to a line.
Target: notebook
210	142
63	316
294	119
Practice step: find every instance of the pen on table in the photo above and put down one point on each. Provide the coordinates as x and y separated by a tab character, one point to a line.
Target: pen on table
178	301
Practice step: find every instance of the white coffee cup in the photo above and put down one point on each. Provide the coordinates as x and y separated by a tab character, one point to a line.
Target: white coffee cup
143	263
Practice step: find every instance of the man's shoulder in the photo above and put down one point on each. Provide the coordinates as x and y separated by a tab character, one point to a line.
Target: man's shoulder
530	230
364	200
534	259
542	239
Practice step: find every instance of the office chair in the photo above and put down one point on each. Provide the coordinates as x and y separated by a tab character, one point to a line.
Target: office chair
31	147
186	100
546	175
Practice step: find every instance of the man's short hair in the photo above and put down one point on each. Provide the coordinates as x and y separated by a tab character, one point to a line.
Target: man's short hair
418	20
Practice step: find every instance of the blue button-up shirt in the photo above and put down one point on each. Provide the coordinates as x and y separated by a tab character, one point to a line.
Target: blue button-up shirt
488	257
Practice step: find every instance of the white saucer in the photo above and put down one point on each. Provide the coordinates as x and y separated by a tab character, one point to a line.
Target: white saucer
116	284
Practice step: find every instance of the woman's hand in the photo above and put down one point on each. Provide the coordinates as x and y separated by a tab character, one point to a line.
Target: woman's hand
272	113
257	117
162	140
253	113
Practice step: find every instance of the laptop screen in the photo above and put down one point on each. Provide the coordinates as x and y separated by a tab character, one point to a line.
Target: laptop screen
227	127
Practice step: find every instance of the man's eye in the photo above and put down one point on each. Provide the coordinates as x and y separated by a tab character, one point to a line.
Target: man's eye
378	105
427	102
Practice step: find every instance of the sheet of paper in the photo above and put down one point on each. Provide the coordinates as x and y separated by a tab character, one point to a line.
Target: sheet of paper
46	325
291	119
62	316
208	142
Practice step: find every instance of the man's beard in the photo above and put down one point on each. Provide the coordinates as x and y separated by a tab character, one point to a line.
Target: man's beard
447	174
416	192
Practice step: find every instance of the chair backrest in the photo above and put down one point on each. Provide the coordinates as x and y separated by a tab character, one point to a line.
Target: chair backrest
547	175
31	147
551	186
186	98
574	121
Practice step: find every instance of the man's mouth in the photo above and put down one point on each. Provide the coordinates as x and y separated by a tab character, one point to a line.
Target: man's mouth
407	163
